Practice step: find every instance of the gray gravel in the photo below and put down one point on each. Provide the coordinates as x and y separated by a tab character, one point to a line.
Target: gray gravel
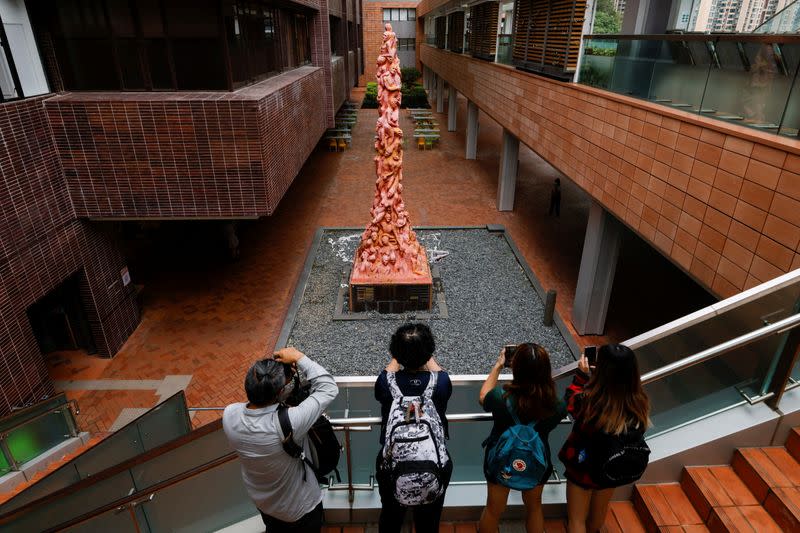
490	302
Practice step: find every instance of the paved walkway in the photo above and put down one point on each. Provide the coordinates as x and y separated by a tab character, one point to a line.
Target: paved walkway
209	319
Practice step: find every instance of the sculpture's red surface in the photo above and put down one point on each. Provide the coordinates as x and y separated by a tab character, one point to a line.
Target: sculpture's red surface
389	252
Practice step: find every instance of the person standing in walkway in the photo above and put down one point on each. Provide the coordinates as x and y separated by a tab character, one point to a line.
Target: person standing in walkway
284	489
413	391
555	198
527	409
606	448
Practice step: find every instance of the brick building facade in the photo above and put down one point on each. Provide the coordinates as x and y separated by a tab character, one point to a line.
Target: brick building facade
372	15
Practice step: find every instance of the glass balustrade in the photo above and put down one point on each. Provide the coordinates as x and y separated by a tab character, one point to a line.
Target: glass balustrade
742	79
504	49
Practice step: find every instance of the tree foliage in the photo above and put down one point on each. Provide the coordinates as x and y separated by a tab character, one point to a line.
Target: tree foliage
606	18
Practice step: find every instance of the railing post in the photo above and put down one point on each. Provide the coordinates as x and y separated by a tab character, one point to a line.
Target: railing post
783	370
7	453
69	418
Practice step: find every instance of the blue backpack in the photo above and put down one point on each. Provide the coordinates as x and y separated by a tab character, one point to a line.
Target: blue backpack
518	459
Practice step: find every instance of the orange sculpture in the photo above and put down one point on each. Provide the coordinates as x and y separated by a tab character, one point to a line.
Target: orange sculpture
389	254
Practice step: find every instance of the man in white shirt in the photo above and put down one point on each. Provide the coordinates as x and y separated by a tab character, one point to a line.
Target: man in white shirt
288	496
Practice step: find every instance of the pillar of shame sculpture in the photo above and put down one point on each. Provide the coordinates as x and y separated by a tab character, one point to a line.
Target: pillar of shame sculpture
390	271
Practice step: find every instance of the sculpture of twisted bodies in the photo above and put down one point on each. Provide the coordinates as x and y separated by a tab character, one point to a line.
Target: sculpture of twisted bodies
389	250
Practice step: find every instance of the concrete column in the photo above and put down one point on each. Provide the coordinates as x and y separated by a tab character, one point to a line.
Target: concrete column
452	100
439	94
509	162
472	130
434	84
596	276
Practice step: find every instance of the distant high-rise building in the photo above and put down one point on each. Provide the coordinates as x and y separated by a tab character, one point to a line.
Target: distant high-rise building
619	5
731	15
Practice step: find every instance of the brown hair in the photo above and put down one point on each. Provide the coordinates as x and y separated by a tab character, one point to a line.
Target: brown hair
613	398
532	387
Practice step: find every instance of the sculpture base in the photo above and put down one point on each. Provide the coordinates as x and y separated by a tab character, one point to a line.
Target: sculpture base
391	293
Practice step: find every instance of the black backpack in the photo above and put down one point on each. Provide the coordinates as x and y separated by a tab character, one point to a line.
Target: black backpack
325	447
616	460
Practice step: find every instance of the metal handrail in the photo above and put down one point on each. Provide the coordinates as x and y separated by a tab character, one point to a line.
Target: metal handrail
781	326
706	37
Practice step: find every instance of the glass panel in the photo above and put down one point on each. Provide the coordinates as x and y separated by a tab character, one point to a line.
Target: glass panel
387	15
37	436
711	386
598	62
217	499
698	336
402	15
5	467
63	477
164	422
126	443
6	81
198	452
679	74
75	504
504	50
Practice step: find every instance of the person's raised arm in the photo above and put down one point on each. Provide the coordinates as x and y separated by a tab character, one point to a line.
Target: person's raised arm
494	374
323	390
579	380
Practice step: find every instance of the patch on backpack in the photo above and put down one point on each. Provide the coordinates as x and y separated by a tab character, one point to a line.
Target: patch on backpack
519	465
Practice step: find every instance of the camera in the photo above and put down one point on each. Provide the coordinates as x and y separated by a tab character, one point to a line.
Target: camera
509	350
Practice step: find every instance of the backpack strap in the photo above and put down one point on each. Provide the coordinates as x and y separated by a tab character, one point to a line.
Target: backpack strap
513	413
427	394
289	445
394	388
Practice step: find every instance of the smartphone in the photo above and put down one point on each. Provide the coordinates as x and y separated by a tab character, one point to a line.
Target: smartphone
509	352
591	355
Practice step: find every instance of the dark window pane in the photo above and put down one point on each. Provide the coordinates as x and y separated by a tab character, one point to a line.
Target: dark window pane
412	14
87	64
128	54
199	64
158	63
150	18
119	13
192	18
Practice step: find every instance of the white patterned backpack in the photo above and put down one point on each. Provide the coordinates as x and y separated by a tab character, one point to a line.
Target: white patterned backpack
414	451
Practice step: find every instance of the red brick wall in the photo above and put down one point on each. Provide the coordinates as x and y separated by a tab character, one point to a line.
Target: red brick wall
205	155
720	200
42	244
372	24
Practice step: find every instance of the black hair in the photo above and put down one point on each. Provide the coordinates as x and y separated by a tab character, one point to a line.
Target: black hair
412	345
264	381
558	181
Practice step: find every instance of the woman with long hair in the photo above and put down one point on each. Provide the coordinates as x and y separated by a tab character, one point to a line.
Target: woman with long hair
606	447
529	399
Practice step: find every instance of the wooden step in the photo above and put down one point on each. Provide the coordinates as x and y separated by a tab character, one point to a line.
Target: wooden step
764	468
664	505
683	529
793	443
622	518
714	486
751	518
783	505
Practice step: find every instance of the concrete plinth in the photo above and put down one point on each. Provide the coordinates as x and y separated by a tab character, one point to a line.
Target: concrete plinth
596	275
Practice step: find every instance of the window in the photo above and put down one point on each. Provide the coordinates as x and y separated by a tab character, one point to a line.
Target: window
399	14
406	44
167	44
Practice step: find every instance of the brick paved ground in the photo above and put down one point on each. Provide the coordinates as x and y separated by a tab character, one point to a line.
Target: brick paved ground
210	318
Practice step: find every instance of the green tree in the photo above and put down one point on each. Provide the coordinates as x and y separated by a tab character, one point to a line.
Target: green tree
606	18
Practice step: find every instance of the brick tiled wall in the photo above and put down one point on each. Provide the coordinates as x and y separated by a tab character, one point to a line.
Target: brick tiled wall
722	201
372	21
41	245
137	155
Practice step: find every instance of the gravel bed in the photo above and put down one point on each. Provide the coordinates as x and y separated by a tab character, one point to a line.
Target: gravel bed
490	302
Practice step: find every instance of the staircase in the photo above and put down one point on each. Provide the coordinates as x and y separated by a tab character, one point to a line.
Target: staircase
758	492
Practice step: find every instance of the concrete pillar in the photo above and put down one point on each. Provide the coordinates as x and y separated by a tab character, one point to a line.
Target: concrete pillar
507	182
439	94
434	84
472	130
596	276
452	100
